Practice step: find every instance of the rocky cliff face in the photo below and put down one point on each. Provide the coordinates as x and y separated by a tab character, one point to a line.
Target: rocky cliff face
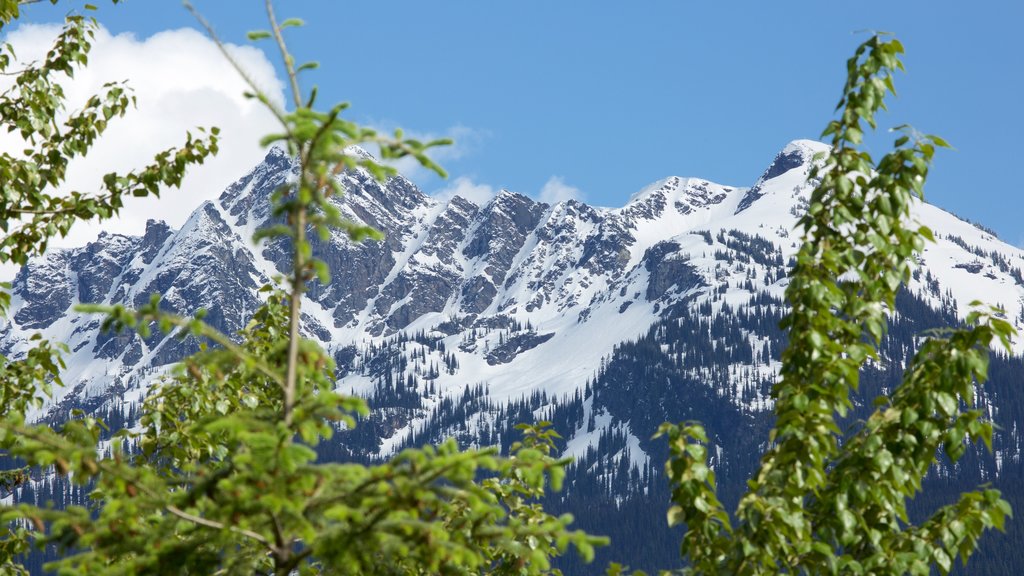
470	318
520	295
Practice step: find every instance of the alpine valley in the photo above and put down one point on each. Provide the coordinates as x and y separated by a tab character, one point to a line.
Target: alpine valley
468	319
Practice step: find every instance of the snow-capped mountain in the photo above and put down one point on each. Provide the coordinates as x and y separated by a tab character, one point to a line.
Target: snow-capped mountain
469	318
573	280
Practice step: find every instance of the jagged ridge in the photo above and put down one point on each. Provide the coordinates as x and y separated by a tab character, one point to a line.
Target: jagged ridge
522	296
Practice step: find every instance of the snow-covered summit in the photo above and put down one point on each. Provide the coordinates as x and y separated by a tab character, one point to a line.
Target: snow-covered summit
470	317
582	279
795	154
695	192
359	152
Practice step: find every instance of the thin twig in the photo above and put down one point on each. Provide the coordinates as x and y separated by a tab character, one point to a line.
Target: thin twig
278	535
218	526
277	112
298	220
70	210
289	60
295	310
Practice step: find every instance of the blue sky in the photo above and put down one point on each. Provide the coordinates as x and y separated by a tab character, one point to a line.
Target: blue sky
609	96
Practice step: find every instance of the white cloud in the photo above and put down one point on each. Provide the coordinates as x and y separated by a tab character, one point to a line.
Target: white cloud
181	81
479	194
556	190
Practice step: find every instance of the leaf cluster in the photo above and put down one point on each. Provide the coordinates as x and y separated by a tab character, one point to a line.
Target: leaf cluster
220	474
823	501
33	206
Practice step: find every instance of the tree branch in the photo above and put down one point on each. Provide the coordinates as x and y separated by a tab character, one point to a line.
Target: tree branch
294	313
258	92
219	526
289	60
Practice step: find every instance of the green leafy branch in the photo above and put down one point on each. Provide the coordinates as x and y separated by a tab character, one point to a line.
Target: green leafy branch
33	209
816	505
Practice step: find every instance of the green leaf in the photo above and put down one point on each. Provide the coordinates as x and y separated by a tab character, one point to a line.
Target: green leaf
947	402
943	560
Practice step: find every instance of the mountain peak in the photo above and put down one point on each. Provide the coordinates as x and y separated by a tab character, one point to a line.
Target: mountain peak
509	198
806	145
275	151
359	152
796	154
156	231
276	154
658	186
671	302
686	194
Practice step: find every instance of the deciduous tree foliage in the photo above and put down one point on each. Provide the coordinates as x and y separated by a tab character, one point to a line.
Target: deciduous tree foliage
825	501
225	479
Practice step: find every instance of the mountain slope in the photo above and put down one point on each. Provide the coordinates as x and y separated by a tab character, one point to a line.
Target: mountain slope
524	296
469	318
